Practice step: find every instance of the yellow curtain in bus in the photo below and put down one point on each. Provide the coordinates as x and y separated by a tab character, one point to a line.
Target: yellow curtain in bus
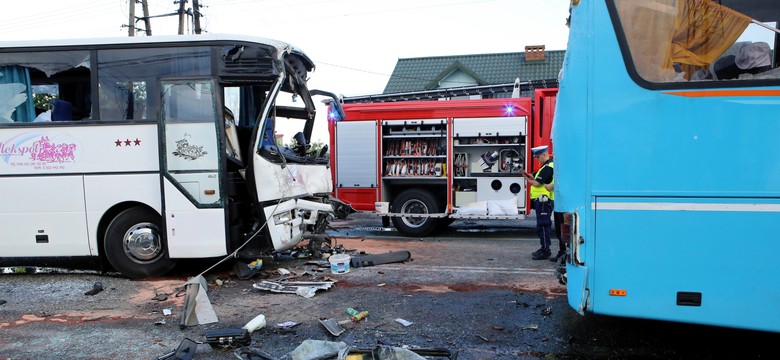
703	30
648	27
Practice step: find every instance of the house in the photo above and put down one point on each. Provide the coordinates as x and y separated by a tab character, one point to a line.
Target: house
439	72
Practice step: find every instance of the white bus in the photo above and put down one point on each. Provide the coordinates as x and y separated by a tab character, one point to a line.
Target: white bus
134	152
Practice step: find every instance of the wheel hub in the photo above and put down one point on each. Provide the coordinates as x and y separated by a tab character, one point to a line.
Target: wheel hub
142	243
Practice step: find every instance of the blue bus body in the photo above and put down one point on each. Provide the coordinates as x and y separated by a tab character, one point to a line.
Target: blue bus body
671	188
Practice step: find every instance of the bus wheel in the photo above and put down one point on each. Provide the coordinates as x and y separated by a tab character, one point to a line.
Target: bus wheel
415	201
134	246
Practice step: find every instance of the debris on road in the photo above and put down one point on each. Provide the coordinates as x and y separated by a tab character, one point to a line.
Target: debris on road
317	349
306	289
363	260
197	307
530	327
254	324
96	288
547	311
403	322
333	326
287	324
160	297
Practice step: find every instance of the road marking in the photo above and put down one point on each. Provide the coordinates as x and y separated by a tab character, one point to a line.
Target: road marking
470	269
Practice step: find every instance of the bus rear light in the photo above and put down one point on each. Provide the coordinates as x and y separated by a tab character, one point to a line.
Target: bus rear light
209	192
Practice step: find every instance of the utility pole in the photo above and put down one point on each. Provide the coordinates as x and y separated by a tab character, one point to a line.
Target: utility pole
196	14
182	15
131	21
147	20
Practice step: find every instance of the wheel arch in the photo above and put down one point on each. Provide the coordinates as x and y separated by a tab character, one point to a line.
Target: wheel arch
106	219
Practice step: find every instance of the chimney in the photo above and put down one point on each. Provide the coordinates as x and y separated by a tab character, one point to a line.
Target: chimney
534	53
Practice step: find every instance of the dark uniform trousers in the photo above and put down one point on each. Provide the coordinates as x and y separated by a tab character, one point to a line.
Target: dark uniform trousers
544	212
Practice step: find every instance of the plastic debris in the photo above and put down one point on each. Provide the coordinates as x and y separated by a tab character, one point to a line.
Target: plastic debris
287	324
167	312
96	288
316	349
403	322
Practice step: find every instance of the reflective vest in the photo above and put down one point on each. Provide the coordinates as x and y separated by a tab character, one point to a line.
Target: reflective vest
537	191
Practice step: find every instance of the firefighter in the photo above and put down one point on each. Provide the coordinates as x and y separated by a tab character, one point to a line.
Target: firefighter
540	185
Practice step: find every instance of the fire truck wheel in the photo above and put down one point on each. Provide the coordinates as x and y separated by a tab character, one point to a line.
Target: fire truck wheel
134	246
415	201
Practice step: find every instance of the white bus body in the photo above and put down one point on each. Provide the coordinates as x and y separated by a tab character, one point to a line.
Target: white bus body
139	151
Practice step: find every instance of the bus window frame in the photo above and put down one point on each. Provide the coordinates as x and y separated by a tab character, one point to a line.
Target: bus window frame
679	85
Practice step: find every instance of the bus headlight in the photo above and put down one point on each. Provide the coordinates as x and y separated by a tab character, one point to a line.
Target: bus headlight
282	218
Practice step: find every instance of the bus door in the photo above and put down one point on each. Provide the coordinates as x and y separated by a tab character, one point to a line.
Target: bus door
193	203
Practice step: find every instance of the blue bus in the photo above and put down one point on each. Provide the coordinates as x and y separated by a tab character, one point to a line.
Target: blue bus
667	160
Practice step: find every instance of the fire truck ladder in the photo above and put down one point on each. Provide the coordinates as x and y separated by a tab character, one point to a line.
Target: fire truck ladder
515	88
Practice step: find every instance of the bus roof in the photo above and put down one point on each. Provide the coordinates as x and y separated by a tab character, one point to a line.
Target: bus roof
171	39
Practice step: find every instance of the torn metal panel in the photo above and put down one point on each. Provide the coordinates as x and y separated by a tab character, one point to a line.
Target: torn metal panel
305	289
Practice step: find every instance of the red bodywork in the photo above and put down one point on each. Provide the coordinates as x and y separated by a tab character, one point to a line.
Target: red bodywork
539	114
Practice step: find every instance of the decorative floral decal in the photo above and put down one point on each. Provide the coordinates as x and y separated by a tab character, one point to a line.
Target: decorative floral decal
38	151
187	151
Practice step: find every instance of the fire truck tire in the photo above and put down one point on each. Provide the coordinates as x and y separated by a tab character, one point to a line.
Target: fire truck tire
134	245
415	201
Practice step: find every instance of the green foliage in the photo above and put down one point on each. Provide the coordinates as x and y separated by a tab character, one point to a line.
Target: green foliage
41	101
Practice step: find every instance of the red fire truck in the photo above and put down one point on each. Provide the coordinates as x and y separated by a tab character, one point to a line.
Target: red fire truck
424	164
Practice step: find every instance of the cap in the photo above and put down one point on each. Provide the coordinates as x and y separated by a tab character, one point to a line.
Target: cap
539	150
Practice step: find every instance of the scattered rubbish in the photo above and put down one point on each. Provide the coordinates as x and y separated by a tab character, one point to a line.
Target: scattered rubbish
197	307
2	302
254	324
363	260
96	288
161	322
498	328
218	282
403	322
380	285
245	271
339	263
316	349
483	338
333	326
160	297
547	311
301	288
287	324
167	312
247	353
352	312
396	353
283	271
228	337
185	351
359	316
530	327
255	265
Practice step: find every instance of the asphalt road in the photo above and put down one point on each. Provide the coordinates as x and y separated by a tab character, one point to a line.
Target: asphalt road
473	290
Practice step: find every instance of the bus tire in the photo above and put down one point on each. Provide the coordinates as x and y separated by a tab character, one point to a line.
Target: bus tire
415	201
134	245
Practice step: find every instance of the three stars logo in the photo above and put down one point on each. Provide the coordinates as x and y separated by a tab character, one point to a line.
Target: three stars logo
127	142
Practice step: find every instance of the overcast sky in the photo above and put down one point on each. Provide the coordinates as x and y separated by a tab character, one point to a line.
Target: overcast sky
355	44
